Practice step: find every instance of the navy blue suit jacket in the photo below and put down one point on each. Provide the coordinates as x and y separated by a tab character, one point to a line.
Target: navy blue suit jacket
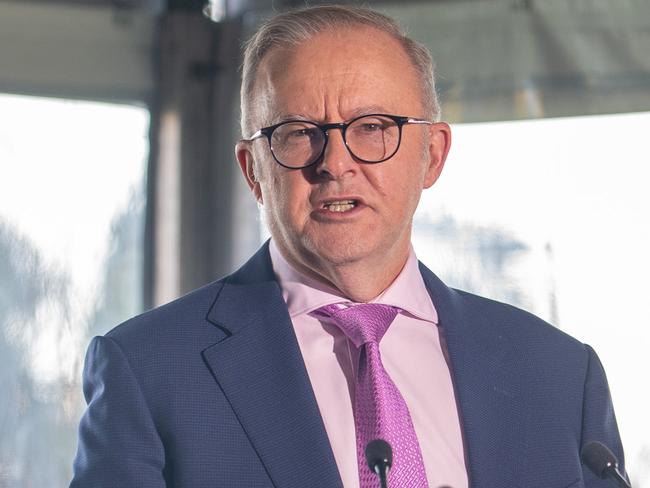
211	391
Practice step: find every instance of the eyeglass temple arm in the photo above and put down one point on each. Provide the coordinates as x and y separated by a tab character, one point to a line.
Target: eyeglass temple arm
256	135
419	121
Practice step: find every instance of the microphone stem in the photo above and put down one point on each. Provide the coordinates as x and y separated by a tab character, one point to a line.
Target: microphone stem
383	477
620	479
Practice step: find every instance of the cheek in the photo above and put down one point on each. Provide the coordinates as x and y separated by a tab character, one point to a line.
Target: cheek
287	196
402	187
401	180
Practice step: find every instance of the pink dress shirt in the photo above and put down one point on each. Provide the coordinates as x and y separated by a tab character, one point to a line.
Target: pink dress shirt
411	353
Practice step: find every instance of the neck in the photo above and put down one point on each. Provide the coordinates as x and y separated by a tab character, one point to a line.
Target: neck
359	280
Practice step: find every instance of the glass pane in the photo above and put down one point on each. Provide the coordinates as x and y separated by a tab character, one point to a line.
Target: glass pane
553	216
72	196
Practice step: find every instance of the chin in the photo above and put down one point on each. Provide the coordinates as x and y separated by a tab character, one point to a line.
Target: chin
339	252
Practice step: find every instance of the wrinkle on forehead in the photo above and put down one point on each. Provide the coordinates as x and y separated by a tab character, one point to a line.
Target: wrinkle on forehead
333	76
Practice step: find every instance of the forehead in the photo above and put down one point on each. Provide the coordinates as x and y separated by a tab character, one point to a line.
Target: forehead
338	74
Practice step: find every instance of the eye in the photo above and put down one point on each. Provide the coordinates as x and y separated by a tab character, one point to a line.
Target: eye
305	132
296	133
371	127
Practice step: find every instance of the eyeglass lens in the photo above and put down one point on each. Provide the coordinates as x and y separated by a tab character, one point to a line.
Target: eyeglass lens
371	139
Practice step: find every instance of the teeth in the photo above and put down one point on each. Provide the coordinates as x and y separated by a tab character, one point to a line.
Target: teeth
341	206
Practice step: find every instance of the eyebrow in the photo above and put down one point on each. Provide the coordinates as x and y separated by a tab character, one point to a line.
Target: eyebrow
365	110
368	109
290	116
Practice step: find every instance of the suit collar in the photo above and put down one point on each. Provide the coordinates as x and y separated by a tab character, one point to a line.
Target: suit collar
232	309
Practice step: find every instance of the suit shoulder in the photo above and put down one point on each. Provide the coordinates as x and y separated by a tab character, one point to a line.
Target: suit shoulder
516	321
174	317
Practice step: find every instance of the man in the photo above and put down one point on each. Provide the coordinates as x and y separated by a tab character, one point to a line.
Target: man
333	334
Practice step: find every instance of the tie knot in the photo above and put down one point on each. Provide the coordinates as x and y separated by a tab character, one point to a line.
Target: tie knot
365	322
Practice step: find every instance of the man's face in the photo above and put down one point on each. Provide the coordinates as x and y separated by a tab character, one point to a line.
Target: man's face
335	77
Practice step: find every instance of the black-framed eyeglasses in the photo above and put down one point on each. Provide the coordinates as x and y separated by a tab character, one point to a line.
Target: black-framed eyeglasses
370	139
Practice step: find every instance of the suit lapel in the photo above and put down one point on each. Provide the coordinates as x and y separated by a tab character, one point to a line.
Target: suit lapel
261	371
487	386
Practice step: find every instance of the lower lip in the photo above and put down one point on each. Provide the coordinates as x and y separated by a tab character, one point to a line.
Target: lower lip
325	215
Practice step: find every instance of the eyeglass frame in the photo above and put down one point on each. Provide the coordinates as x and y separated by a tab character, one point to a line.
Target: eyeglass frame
400	120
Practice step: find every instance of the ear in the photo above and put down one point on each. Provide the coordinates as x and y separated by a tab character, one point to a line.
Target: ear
438	148
246	161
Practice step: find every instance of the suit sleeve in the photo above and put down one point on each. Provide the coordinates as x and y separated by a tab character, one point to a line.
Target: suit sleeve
118	442
598	420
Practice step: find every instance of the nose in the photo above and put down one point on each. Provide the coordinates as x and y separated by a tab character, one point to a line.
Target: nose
337	162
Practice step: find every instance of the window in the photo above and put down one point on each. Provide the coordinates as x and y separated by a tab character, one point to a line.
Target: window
72	196
552	216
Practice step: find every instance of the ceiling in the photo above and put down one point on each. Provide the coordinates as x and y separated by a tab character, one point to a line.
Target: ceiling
233	7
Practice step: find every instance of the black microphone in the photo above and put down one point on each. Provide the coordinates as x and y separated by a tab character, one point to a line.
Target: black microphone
599	459
379	457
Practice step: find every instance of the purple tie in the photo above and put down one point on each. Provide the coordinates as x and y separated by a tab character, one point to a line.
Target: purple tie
380	411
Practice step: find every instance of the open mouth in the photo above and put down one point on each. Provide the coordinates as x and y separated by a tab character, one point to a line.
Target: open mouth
340	205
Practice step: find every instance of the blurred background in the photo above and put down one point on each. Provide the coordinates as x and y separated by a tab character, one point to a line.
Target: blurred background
119	190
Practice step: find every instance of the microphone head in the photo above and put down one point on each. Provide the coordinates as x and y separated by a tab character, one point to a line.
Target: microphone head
379	454
598	458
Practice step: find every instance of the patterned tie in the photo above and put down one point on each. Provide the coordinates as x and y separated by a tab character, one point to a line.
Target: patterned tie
380	411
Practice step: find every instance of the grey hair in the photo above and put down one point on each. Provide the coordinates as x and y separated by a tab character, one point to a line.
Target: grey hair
296	26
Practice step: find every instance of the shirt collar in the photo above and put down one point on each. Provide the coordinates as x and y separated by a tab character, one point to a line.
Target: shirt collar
304	294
